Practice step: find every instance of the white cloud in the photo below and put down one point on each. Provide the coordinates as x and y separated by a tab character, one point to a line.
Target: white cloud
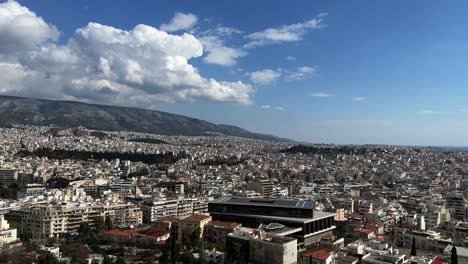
285	33
290	58
226	31
21	29
264	77
102	64
180	21
358	98
427	112
218	53
321	94
301	73
266	107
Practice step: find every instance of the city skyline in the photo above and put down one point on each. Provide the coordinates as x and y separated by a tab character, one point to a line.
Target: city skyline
321	72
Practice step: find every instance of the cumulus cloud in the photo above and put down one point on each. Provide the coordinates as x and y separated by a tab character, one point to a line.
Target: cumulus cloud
321	94
21	29
142	67
265	106
264	77
285	33
290	58
279	108
180	21
358	98
218	53
301	73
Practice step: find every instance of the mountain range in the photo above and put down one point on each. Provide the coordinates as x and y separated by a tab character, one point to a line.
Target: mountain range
40	112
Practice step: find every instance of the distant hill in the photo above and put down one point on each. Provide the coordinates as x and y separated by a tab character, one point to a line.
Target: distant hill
28	111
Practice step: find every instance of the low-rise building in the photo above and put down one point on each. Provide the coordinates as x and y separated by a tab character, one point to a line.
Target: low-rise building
165	223
7	234
247	245
191	224
217	231
319	255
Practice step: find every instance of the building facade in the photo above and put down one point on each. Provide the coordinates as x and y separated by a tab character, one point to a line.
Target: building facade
45	221
306	225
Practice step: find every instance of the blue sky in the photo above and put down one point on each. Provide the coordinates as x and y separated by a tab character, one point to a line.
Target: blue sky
382	72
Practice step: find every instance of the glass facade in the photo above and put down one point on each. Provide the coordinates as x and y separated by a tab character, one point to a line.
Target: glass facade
261	210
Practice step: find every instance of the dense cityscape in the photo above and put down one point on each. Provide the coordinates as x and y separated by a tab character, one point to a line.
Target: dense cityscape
150	198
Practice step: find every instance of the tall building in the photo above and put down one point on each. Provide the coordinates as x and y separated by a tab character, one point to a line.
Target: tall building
264	187
296	219
8	176
457	204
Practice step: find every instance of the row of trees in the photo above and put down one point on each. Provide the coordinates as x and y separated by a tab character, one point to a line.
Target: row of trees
148	140
231	161
182	251
10	191
85	232
166	158
328	151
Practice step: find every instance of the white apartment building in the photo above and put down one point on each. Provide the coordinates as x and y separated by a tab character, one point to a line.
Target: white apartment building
44	221
7	234
176	208
124	215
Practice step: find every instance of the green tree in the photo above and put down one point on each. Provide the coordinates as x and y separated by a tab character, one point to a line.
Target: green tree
186	257
84	231
76	251
413	248
195	238
234	254
48	258
107	260
167	250
51	240
109	224
120	260
186	242
218	246
454	256
99	225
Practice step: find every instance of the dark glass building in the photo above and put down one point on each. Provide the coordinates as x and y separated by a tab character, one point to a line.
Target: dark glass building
305	224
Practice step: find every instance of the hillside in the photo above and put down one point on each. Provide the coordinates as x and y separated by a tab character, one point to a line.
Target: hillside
27	111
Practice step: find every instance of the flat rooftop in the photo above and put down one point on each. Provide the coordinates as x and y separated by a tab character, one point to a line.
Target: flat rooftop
263	202
317	216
